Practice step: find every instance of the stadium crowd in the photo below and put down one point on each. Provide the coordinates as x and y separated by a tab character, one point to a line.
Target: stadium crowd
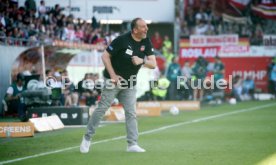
205	17
35	22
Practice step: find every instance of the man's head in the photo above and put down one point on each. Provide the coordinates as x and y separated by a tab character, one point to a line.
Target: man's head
20	79
249	77
217	59
139	29
201	61
175	59
187	63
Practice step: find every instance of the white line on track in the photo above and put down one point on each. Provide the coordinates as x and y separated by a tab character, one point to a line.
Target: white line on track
145	132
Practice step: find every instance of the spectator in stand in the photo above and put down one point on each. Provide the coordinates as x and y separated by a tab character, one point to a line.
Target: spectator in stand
94	23
210	29
201	27
60	22
80	89
56	10
201	15
30	6
190	18
57	89
237	88
69	93
167	46
270	81
69	19
187	70
87	94
79	33
14	98
96	90
199	75
273	77
157	41
257	36
49	73
196	4
69	33
186	93
87	34
185	31
168	56
12	17
215	19
95	37
173	71
218	69
42	11
2	21
248	88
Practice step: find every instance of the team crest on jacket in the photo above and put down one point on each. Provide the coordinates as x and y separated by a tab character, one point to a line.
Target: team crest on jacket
142	48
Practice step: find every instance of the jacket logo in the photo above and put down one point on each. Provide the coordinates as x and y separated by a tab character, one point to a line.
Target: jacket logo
129	52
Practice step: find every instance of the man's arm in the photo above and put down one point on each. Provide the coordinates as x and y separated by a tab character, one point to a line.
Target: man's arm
107	63
9	95
149	62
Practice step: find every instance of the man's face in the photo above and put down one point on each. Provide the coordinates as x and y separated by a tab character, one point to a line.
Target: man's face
141	29
175	60
20	82
218	61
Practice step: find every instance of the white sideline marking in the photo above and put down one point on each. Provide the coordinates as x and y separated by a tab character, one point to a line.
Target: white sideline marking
144	133
79	126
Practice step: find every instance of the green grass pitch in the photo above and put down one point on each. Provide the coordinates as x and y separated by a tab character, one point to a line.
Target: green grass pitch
242	134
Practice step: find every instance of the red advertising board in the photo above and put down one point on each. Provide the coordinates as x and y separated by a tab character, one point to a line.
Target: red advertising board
209	41
214	40
223	51
244	66
237	55
249	66
234	49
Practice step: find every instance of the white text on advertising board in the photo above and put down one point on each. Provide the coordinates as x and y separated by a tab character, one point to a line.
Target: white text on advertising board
216	40
256	75
196	52
15	129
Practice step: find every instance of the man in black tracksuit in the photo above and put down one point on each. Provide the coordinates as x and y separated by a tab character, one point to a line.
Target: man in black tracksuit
122	59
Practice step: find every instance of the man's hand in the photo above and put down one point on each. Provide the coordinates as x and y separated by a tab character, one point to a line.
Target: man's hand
18	96
116	79
136	60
